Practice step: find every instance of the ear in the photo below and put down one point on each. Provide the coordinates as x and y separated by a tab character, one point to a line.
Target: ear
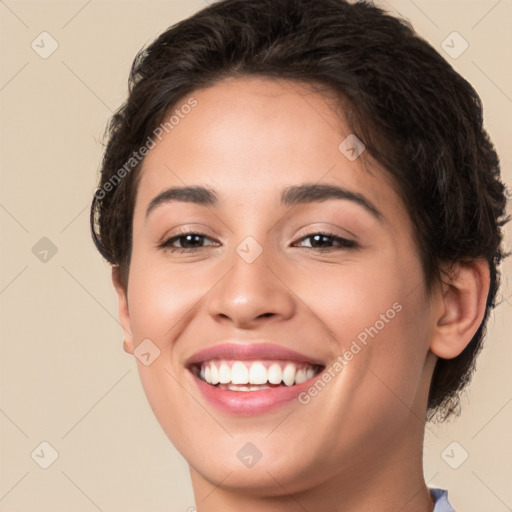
124	313
462	303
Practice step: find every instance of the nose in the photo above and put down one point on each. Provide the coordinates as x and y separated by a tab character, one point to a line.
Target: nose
251	294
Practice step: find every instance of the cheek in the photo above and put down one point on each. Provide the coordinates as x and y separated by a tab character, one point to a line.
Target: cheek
377	316
379	321
162	299
162	302
350	298
397	340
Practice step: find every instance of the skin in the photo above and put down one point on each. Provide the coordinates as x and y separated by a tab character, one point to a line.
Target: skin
357	445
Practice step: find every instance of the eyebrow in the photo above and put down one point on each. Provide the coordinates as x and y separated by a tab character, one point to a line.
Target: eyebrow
294	195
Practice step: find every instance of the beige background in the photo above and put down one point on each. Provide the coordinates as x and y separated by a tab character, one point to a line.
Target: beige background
64	377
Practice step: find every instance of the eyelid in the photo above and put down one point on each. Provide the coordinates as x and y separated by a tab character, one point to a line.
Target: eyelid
331	231
186	229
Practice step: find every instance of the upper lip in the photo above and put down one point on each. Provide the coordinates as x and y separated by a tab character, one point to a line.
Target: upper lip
250	351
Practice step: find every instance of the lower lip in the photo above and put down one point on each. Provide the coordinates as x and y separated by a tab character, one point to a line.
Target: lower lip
248	403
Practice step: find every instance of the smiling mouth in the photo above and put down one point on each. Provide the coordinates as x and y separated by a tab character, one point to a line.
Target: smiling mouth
254	375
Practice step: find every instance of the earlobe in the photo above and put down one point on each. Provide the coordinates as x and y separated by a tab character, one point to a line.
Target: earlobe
124	313
462	298
128	347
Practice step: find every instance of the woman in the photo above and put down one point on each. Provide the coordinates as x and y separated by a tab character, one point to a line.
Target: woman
302	211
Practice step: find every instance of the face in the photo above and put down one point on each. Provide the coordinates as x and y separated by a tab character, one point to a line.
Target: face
294	263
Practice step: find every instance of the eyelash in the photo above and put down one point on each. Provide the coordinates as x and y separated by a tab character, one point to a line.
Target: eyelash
344	243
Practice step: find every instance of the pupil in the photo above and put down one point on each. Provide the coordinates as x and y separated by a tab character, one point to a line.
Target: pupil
189	240
321	238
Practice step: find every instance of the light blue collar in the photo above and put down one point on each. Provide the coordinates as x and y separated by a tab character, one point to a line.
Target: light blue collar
440	497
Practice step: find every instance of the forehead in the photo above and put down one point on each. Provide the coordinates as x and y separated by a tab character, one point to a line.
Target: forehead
253	137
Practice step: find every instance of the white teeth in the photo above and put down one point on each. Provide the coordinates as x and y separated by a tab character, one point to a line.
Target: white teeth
233	387
251	376
300	376
257	374
275	374
215	374
224	373
289	374
239	388
239	373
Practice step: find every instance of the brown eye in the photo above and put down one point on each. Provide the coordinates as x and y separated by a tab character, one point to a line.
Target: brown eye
187	242
327	241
